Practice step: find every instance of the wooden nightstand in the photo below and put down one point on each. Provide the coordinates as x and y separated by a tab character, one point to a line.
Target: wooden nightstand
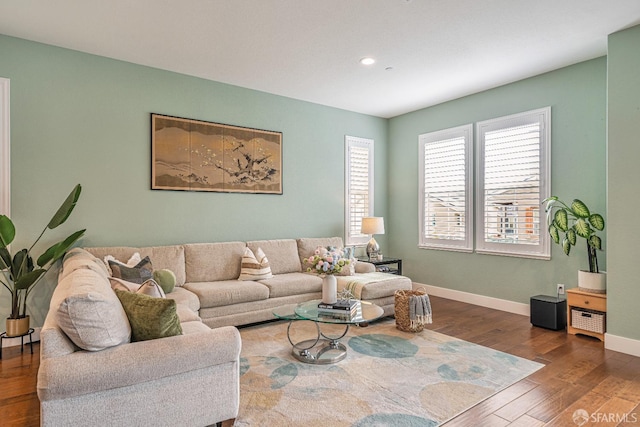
593	307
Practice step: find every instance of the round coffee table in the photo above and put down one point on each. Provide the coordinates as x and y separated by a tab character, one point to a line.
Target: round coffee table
324	349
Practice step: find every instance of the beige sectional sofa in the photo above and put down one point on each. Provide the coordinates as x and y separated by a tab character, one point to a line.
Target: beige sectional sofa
90	374
207	278
190	379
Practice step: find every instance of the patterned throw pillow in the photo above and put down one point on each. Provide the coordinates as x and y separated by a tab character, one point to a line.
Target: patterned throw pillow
139	273
254	267
150	318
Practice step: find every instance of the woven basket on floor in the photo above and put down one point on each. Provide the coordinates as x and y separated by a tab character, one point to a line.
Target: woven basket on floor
403	322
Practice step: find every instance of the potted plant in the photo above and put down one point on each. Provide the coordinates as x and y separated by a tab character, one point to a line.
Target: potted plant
578	221
19	273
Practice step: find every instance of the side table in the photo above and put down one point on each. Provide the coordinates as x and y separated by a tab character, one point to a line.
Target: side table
586	313
4	336
382	265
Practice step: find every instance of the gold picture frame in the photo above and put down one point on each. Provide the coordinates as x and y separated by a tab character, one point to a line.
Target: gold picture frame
195	155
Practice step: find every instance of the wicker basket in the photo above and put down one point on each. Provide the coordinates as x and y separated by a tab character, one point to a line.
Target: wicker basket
588	320
403	322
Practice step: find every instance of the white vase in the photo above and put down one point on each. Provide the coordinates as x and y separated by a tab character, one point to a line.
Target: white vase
329	289
592	282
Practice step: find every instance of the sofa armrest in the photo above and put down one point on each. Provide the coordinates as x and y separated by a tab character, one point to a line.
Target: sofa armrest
85	372
364	267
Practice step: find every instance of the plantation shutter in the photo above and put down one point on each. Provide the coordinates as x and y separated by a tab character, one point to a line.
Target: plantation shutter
446	195
359	187
512	172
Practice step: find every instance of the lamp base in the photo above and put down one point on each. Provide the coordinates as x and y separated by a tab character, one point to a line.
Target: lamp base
372	248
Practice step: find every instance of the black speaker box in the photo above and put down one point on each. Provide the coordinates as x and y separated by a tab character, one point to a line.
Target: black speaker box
548	312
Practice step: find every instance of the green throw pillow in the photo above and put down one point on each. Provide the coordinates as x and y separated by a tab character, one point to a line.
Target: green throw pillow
149	317
166	279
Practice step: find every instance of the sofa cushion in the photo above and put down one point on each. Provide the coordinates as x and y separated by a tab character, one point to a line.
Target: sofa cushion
88	311
375	285
283	285
78	258
169	257
150	318
184	297
227	292
254	266
282	254
209	262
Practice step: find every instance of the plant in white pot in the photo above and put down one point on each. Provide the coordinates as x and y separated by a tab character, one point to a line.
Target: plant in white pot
19	273
576	221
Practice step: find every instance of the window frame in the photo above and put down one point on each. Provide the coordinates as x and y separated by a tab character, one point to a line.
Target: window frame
5	151
542	250
357	239
424	242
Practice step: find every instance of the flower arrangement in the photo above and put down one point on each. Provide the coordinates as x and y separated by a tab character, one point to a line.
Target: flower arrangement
326	261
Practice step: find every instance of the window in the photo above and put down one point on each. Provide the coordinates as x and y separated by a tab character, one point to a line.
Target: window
5	161
446	192
358	187
513	177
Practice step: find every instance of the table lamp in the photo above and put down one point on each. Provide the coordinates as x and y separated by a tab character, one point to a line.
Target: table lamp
372	225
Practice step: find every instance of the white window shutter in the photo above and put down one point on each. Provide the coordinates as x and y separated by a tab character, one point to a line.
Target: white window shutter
513	175
358	187
446	192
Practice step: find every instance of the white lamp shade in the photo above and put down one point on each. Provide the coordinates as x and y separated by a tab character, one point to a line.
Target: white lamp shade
372	225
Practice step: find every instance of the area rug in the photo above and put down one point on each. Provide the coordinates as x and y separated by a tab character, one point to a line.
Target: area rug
389	378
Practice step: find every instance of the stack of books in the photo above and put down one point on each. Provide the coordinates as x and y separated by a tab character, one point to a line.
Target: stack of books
341	309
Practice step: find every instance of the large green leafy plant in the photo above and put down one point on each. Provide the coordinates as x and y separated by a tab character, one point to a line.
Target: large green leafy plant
575	221
19	272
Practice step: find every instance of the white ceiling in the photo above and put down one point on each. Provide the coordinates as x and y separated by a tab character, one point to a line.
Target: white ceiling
427	51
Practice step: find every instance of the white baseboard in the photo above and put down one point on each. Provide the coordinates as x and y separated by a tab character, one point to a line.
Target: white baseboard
611	342
622	344
481	300
10	342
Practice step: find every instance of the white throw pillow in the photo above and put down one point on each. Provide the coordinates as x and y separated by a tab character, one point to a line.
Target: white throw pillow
149	287
254	267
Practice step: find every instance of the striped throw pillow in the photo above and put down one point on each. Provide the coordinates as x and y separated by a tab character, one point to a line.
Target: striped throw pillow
254	267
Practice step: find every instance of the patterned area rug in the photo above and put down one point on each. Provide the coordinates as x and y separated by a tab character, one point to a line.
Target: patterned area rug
389	377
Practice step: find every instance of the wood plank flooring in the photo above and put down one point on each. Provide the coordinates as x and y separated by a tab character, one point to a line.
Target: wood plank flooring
578	374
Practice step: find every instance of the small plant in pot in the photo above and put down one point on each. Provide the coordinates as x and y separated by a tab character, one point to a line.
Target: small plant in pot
19	273
576	220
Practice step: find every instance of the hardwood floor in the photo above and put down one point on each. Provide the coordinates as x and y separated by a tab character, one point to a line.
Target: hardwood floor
578	374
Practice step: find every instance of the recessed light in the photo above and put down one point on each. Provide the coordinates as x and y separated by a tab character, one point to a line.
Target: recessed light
367	61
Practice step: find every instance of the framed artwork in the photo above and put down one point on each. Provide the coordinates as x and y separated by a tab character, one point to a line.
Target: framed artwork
194	155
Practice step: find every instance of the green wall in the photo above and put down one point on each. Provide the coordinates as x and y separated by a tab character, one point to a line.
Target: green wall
79	118
623	151
577	96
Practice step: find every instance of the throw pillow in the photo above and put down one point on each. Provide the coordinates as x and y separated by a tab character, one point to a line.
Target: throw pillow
254	266
149	287
135	258
166	279
150	318
139	273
